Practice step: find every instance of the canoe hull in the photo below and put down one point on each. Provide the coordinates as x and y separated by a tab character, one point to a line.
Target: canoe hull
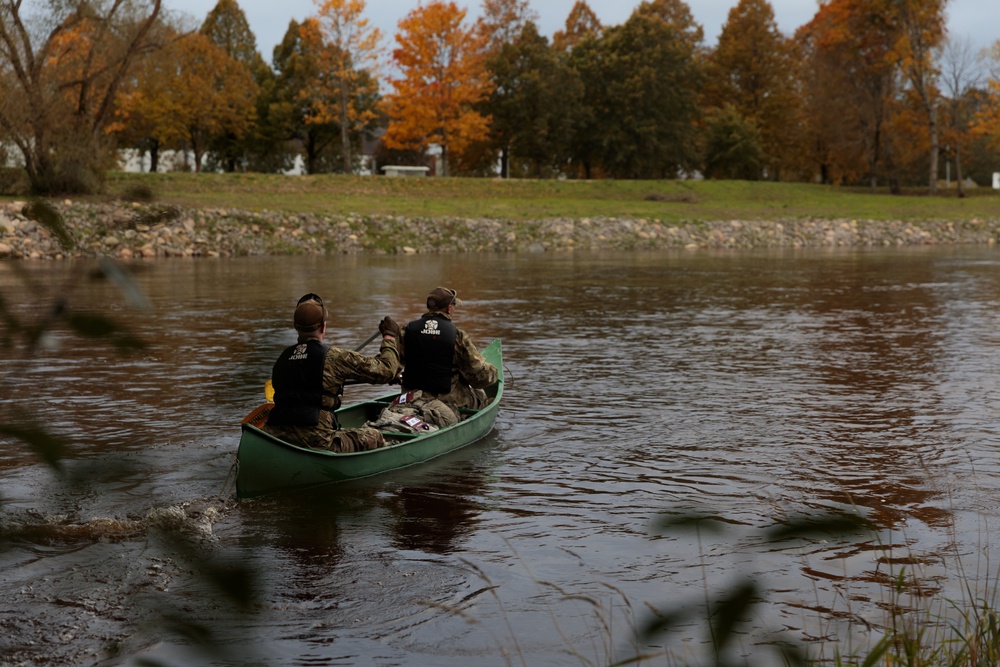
266	464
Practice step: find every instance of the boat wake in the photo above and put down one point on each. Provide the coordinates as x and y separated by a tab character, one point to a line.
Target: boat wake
193	519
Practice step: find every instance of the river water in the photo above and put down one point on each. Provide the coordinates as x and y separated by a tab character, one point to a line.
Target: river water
643	388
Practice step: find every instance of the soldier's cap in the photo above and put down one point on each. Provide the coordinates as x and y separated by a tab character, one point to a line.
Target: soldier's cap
310	313
442	297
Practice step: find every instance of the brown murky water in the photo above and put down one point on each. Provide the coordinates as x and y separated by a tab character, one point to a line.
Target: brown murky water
752	387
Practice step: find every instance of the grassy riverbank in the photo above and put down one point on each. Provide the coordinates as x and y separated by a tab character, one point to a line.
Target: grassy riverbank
224	215
672	202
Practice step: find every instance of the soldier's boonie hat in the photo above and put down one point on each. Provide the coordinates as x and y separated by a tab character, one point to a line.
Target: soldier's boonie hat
442	297
310	313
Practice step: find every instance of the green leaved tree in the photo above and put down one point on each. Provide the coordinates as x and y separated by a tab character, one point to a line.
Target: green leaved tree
752	70
642	81
535	106
227	27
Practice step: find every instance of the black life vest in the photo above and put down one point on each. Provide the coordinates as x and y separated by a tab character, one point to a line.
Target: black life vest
297	377
430	353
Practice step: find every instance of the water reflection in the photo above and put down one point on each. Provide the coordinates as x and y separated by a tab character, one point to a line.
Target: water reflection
754	385
429	509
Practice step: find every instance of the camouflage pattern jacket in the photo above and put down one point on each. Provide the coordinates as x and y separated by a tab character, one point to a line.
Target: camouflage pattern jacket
340	366
470	372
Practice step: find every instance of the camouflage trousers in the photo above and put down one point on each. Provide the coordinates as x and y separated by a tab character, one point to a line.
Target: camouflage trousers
357	440
343	440
413	412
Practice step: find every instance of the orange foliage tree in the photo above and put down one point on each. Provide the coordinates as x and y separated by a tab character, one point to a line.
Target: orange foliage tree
227	26
987	119
921	30
848	48
502	22
351	60
581	23
443	80
147	115
200	93
752	70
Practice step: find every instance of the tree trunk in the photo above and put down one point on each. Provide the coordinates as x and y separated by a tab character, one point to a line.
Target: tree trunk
311	154
873	158
345	129
935	145
199	152
958	172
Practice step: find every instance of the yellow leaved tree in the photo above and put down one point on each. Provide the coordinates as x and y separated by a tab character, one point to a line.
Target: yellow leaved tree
987	120
443	79
922	29
581	23
350	83
200	93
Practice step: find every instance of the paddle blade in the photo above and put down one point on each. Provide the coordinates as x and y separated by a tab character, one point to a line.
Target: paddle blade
269	391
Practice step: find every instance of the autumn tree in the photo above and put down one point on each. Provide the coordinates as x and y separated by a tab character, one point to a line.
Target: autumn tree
200	94
848	47
581	23
227	27
293	116
961	74
59	78
921	30
502	21
350	83
534	106
987	120
752	71
443	80
147	114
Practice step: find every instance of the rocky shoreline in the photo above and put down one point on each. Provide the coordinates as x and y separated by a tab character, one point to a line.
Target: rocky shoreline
135	231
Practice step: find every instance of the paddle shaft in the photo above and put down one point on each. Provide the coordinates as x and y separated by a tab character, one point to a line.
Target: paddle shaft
358	349
369	339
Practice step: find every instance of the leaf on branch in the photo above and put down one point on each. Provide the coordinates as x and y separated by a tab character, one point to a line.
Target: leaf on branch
124	281
98	326
47	216
840	523
44	443
709	522
730	610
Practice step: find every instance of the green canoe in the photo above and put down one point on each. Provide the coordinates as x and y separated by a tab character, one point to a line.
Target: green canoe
265	464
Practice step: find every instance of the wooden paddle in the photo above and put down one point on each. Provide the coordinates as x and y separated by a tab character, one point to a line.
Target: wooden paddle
269	388
368	340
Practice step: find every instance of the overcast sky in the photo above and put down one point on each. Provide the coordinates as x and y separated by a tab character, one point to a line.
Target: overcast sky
975	20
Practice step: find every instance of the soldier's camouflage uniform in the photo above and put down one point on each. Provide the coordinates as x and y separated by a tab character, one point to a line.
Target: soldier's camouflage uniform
470	375
342	365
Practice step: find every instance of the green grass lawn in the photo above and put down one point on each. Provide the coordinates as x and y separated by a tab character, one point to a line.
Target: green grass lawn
669	201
